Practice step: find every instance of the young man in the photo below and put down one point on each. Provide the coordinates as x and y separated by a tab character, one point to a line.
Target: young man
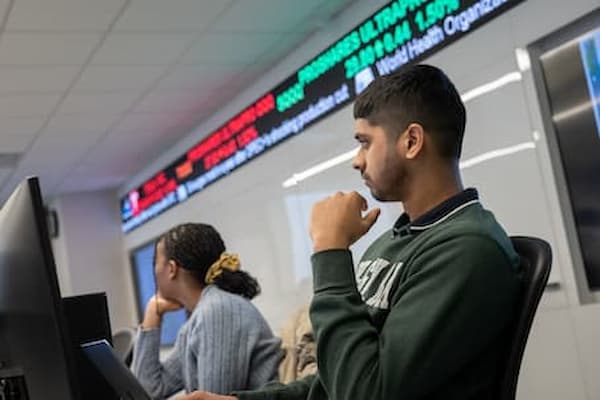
425	313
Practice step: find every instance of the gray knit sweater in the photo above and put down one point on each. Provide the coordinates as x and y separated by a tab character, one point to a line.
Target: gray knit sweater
225	345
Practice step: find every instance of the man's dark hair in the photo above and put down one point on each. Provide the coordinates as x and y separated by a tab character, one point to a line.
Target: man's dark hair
195	247
417	94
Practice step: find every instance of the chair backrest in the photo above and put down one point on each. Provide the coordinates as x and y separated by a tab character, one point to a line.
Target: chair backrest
123	342
536	259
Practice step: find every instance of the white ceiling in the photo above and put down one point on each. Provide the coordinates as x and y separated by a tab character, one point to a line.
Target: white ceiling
93	90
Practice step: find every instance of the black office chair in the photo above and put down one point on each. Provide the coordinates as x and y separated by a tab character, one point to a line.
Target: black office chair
536	259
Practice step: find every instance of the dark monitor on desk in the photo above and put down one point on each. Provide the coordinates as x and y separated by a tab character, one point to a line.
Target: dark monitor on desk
35	349
114	371
88	320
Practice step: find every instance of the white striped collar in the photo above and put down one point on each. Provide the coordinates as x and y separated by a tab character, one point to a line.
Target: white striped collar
436	215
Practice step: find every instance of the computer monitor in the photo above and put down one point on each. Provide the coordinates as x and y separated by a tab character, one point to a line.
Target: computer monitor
34	340
88	320
116	373
142	262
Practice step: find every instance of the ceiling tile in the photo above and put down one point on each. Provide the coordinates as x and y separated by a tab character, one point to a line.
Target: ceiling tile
36	79
28	105
267	16
249	74
98	102
157	121
229	48
57	150
9	159
224	94
174	100
63	15
10	143
98	179
80	124
324	12
199	77
118	77
172	15
120	154
21	126
90	143
3	7
285	44
16	134
46	48
141	49
114	160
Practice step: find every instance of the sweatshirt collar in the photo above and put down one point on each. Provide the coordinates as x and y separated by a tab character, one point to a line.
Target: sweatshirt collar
436	215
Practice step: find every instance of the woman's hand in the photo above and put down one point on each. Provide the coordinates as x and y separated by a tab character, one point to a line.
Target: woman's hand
156	307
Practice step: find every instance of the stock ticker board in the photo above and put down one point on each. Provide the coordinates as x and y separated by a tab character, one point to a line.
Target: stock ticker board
400	33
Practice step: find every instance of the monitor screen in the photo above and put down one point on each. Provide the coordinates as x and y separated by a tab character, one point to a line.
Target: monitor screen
116	373
590	58
570	67
34	339
142	260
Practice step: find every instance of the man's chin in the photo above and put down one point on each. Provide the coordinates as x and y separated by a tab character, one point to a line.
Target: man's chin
377	196
382	196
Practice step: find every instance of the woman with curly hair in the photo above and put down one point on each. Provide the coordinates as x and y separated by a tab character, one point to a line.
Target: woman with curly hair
225	344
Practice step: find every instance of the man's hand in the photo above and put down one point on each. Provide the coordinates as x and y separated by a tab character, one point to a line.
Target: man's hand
205	396
156	307
337	221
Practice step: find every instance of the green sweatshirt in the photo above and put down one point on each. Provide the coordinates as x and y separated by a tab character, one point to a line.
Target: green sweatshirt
423	316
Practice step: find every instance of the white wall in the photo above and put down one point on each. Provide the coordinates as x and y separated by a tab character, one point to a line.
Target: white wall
266	224
89	252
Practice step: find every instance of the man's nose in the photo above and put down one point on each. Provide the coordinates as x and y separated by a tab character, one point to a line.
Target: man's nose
357	162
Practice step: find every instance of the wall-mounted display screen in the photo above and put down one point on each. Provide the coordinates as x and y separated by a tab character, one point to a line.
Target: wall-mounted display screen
142	260
571	75
400	33
590	58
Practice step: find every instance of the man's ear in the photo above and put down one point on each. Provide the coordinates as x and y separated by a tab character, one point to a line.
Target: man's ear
413	141
172	269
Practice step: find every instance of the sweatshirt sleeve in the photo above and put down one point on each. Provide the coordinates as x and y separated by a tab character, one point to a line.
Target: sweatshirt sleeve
159	379
297	390
449	310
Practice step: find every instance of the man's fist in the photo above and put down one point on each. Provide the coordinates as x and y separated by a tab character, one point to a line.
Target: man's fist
337	221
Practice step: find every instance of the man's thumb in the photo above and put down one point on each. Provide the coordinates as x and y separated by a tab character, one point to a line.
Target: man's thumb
371	217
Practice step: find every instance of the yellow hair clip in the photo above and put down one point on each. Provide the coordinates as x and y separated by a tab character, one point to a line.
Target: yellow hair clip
230	262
